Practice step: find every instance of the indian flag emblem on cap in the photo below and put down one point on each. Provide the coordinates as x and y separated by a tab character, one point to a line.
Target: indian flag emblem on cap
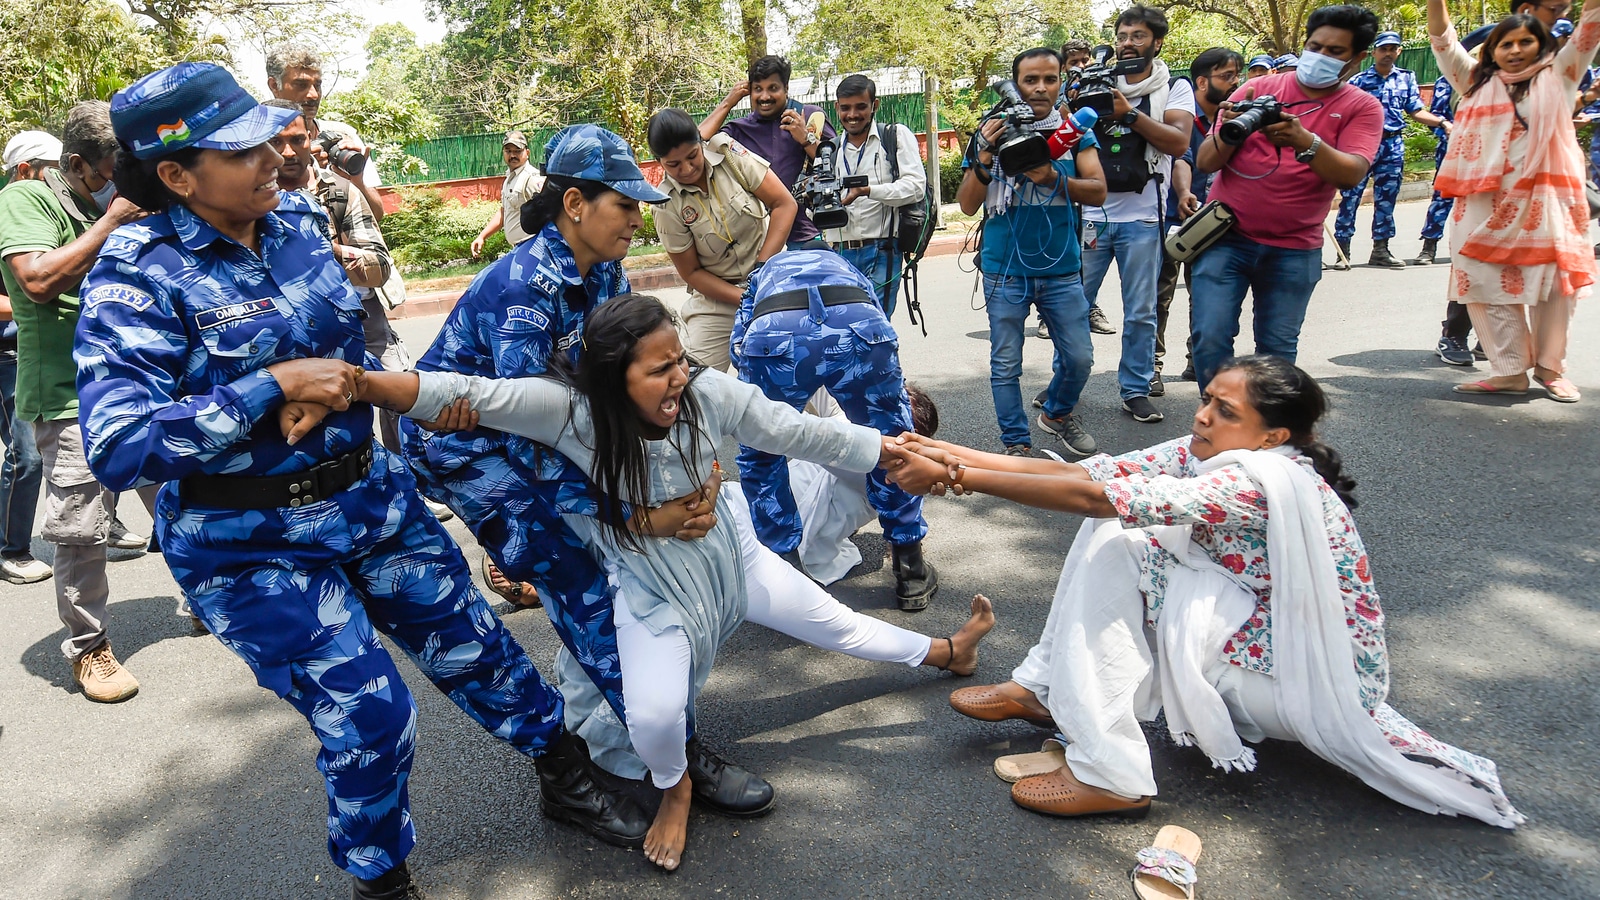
176	132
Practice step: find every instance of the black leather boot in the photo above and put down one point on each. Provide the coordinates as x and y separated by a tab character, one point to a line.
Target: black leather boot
915	581
570	793
1430	252
1341	260
1380	257
725	787
395	884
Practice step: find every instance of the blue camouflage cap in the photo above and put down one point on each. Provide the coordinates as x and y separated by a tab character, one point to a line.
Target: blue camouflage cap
1287	61
1264	61
1388	38
595	154
1562	28
192	105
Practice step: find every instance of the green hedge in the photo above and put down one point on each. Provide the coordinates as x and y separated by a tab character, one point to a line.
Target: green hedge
430	229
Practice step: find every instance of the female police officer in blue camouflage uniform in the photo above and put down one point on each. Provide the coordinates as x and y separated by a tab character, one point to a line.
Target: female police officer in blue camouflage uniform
198	323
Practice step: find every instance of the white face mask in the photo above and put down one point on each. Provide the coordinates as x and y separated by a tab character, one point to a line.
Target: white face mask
1317	71
105	195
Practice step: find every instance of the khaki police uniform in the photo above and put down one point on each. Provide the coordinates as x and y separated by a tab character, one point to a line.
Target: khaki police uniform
519	188
725	226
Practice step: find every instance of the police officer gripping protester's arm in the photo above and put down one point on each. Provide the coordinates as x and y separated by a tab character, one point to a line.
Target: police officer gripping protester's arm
726	213
295	556
888	157
1397	90
1282	146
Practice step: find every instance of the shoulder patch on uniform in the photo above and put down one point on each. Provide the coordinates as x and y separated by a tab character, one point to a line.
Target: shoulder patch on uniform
526	316
545	283
132	297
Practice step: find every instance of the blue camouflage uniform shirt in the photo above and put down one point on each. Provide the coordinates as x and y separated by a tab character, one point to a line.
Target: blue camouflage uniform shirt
1398	93
179	324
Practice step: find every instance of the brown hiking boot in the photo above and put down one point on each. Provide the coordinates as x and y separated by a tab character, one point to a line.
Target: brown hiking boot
102	678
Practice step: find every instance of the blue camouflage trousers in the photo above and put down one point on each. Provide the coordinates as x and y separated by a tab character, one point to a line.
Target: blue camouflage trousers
302	594
851	351
1439	208
1384	174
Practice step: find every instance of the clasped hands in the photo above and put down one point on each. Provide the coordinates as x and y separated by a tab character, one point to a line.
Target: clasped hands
922	465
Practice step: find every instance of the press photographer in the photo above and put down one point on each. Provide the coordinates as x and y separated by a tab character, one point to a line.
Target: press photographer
887	157
1149	121
1283	146
1030	251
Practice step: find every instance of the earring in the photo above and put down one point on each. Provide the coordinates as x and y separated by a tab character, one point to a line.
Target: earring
577	219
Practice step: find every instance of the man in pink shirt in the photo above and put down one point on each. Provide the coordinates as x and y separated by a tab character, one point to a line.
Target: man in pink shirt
1280	182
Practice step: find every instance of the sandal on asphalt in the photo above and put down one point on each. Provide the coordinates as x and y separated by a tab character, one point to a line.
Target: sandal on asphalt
1012	769
521	594
1165	870
1484	387
1560	390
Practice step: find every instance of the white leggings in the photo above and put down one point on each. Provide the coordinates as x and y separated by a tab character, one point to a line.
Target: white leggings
656	667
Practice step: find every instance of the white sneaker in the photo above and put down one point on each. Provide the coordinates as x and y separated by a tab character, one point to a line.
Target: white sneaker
439	510
121	538
24	570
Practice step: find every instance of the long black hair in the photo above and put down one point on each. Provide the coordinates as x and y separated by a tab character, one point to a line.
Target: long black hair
611	336
1288	398
545	207
1487	67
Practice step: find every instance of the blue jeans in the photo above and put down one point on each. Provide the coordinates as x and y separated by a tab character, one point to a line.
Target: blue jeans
1063	307
815	242
1137	248
880	262
1282	281
21	472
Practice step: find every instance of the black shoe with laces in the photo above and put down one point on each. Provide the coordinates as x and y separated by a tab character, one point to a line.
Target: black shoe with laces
1039	398
1430	252
1453	351
1158	388
915	579
1142	409
570	792
724	786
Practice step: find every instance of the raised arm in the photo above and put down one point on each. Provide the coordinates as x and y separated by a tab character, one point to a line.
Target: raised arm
1578	54
1455	63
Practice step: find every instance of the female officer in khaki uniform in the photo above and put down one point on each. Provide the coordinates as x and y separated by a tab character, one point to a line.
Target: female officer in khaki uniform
726	213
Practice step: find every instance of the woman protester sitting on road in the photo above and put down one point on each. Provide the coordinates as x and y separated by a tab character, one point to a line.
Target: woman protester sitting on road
199	322
1519	237
645	427
726	213
1220	577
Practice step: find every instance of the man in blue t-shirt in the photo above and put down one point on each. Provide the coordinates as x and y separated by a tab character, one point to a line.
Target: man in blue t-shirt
1030	257
784	133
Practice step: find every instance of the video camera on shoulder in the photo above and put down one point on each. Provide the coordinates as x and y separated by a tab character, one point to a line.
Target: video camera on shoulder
1020	147
1253	115
821	191
1098	79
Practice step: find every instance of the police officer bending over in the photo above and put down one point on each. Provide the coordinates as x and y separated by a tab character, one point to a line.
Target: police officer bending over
888	156
199	323
809	322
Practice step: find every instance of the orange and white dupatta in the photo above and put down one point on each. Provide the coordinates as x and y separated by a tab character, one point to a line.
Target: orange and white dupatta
1544	216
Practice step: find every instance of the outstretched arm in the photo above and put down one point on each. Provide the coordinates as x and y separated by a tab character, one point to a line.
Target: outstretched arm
918	474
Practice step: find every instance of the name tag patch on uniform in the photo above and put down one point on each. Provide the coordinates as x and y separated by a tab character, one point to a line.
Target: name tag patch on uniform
234	312
526	315
568	340
120	293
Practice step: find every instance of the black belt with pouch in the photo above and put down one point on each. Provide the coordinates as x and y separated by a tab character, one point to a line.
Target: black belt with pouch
832	295
1204	228
314	485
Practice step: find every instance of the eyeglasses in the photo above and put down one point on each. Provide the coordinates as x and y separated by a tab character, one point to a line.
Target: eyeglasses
1137	37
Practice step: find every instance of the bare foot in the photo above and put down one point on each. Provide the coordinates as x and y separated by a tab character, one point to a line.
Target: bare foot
960	655
663	843
1023	696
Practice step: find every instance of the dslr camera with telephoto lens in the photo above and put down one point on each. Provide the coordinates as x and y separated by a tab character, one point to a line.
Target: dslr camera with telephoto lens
345	160
821	191
1253	115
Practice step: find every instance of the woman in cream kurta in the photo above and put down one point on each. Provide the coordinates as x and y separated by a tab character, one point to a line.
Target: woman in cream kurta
1522	312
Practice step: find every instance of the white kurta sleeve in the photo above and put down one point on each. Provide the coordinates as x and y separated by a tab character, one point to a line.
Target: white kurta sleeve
537	408
755	421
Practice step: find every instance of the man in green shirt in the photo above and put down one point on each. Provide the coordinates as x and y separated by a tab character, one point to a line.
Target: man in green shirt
51	231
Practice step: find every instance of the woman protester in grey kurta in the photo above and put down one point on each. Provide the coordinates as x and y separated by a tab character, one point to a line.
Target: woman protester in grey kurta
646	430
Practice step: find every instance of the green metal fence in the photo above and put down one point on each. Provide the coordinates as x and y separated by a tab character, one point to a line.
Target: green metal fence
479	155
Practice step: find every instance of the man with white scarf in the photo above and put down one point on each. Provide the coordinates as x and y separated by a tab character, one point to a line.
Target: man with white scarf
1030	258
1149	125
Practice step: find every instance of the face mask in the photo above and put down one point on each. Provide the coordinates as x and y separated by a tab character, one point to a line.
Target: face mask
103	197
1317	71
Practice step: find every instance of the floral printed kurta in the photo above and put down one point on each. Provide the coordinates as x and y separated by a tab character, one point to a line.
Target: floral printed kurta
1163	485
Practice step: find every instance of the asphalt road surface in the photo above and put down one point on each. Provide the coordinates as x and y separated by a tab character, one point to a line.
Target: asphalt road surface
1479	515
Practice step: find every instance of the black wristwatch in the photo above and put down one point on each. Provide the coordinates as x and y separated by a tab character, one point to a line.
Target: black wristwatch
1129	117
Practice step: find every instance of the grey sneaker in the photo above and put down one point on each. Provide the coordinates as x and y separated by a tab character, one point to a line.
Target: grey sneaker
1142	409
121	538
1069	428
1098	323
1039	398
1043	330
1019	450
